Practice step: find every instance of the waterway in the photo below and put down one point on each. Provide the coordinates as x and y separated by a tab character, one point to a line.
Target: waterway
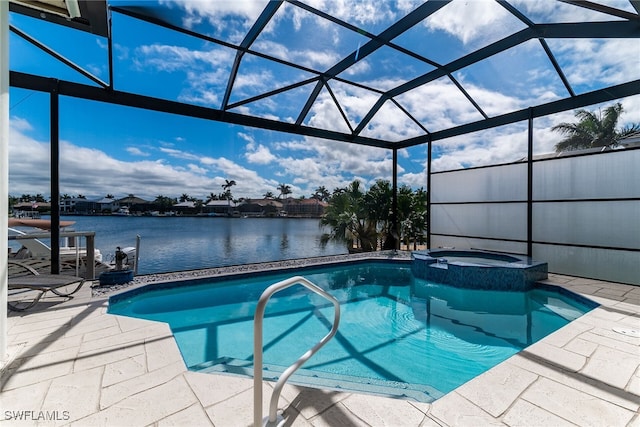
187	243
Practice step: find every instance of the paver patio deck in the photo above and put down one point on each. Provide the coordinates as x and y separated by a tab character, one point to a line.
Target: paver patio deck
71	363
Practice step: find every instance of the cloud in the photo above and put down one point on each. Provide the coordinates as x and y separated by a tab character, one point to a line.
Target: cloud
333	164
413	179
551	11
318	59
20	125
248	182
364	12
260	154
92	172
473	21
135	151
588	61
205	71
179	154
231	18
504	144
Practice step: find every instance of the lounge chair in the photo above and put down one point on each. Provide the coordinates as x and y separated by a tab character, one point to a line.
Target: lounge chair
28	279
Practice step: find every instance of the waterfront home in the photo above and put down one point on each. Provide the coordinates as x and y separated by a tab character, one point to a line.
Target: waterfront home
219	207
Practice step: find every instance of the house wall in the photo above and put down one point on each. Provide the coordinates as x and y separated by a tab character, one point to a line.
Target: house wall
585	212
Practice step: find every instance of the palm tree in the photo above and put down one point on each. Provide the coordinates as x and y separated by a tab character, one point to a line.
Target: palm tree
593	130
340	218
184	198
164	203
347	216
228	184
284	190
378	205
321	194
412	212
268	195
227	189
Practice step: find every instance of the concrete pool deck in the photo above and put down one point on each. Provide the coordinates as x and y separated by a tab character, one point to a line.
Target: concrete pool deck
71	363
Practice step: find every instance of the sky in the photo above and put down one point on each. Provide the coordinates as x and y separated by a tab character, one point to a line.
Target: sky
108	149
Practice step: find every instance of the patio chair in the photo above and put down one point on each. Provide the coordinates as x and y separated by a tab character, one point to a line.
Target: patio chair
24	279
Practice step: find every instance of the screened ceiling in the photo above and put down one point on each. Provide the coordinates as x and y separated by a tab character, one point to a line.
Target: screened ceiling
385	74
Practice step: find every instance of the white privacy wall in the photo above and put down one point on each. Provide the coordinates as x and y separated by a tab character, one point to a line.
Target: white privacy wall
586	215
585	212
483	208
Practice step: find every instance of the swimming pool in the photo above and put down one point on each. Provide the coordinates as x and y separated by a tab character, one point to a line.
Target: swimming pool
399	335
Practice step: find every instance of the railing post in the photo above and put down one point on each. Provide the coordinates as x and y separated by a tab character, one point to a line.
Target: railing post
257	363
257	347
90	256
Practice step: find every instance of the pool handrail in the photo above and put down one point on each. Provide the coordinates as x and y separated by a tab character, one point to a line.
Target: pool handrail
257	347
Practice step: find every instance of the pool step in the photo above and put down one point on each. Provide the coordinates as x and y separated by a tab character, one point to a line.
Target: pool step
557	306
309	378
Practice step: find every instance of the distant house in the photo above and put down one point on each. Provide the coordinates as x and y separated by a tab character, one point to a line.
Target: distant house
107	204
68	205
220	207
306	208
186	208
136	204
260	207
31	209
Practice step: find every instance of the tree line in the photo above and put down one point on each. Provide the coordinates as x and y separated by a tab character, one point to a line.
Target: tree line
364	219
283	190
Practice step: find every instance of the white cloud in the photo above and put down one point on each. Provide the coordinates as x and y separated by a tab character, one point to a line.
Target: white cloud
254	81
491	146
552	11
135	151
439	105
414	180
179	154
475	21
224	17
20	125
206	72
260	154
92	172
248	182
364	12
589	61
310	58
334	164
197	169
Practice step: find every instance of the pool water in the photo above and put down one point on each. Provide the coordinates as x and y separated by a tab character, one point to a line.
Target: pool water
398	336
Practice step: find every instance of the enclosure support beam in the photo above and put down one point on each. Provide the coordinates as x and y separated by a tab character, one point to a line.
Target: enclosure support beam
394	203
55	181
530	186
429	154
114	97
110	50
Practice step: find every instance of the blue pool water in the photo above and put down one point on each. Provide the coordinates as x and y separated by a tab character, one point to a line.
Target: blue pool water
399	335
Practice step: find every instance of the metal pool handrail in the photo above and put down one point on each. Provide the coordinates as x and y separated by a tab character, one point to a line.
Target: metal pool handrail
257	347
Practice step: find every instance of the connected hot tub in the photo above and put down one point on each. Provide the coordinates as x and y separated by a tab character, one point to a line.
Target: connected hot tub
478	269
